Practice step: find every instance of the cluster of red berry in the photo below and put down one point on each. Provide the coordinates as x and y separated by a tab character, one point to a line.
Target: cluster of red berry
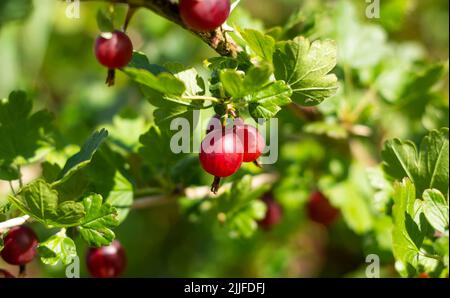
115	50
224	149
20	248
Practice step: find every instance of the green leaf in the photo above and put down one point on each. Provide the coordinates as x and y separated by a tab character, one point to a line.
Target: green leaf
435	208
50	171
262	45
233	82
408	236
154	77
427	168
57	248
126	131
140	61
238	84
105	21
110	179
5	206
356	39
83	157
11	10
441	246
266	102
9	173
421	82
106	175
305	67
121	196
100	217
22	133
155	149
241	208
194	85
257	77
219	63
352	196
165	114
40	201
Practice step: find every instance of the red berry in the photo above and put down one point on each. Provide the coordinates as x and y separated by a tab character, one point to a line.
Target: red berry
320	210
113	49
19	246
253	141
107	261
204	15
423	275
5	274
221	153
273	214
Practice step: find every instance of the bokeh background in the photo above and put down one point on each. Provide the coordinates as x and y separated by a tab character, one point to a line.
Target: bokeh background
51	57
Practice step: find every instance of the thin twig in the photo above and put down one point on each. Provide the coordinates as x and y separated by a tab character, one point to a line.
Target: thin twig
12	187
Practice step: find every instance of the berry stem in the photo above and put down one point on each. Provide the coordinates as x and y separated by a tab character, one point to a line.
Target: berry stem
22	270
257	163
110	78
215	185
12	188
130	13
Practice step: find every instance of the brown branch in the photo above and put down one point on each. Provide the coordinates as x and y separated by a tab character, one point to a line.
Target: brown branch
217	40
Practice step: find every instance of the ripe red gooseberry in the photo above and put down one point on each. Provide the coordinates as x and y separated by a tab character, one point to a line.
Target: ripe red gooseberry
221	154
204	15
274	213
19	246
106	261
320	210
113	49
252	140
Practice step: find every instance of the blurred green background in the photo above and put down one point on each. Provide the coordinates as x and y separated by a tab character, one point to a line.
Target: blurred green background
50	56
